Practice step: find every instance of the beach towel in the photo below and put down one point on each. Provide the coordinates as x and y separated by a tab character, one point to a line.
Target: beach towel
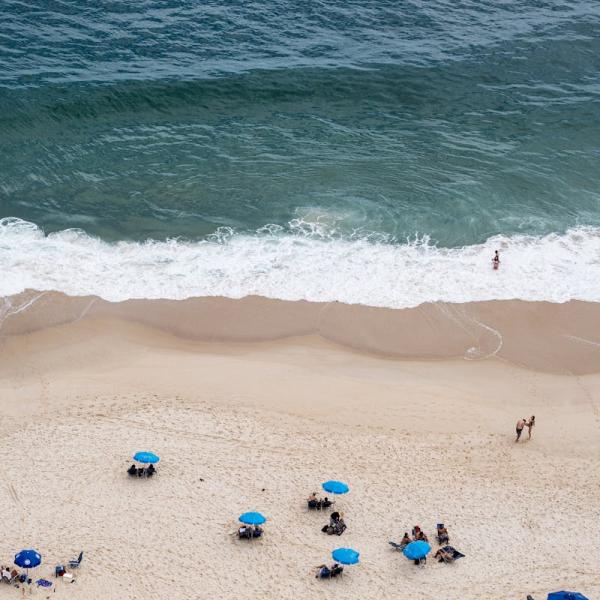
453	552
44	583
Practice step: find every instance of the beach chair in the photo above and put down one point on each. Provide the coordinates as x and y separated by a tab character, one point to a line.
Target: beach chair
337	570
324	573
14	576
397	546
75	562
59	570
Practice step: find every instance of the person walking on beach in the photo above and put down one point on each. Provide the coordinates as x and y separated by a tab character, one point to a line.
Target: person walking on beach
496	260
520	425
530	424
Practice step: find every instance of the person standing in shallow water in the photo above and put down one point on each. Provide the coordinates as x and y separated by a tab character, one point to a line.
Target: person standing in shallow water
496	260
520	426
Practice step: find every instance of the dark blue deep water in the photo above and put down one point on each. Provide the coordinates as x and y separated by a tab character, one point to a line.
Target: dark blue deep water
445	121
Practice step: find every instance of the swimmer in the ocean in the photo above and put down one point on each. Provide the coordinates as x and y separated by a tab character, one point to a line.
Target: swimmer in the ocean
496	260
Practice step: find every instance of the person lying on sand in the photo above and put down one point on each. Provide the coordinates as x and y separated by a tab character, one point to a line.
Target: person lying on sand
448	554
443	556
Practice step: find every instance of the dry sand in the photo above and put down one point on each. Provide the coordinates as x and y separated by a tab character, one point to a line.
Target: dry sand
258	425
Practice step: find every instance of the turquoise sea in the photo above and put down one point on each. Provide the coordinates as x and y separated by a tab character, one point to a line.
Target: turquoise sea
370	152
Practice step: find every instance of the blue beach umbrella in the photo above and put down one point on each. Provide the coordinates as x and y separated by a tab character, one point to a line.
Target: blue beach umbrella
252	518
146	457
335	487
346	556
566	596
27	559
417	550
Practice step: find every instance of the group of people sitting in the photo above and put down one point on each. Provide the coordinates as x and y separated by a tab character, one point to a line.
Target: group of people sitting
418	535
8	575
336	524
247	532
141	471
316	503
325	572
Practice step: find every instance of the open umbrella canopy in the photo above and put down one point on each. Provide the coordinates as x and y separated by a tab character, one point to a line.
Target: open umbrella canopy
252	518
566	596
27	559
146	457
346	556
335	487
417	550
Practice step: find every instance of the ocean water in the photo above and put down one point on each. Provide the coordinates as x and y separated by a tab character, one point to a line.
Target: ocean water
372	153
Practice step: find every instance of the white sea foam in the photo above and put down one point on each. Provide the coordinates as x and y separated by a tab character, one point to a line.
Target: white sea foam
301	262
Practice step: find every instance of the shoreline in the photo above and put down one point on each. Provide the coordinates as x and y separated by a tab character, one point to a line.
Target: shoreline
543	336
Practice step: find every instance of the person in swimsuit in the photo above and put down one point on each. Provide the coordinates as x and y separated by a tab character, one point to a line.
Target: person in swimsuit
314	501
496	260
422	537
530	424
442	534
520	425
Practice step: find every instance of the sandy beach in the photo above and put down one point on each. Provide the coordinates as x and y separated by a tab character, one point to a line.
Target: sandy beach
251	404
